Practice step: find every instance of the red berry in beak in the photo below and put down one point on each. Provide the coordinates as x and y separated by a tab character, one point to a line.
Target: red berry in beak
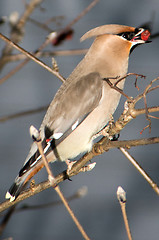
145	35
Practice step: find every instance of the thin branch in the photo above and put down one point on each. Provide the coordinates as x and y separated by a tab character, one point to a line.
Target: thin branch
116	88
29	9
13	71
6	219
82	14
17	29
146	91
152	89
140	169
119	79
23	113
36	136
57	74
61	35
79	194
71	52
130	74
136	112
128	114
121	195
98	149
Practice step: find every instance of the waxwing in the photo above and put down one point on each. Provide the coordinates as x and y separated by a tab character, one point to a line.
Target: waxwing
85	102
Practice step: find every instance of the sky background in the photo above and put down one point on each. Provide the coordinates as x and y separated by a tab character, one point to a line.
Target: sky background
99	211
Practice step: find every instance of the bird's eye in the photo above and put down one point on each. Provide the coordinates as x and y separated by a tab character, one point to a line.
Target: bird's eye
127	35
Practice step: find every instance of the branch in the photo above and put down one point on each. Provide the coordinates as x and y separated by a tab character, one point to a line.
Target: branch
36	137
18	28
80	193
71	52
98	149
103	145
140	169
121	195
57	74
57	37
23	113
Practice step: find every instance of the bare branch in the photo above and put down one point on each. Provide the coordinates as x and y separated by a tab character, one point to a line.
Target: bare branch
98	149
78	194
103	145
20	25
140	169
57	74
36	136
18	57
121	195
6	219
23	113
17	30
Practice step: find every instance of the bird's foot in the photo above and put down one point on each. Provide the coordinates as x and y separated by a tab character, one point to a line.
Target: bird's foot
103	132
69	165
115	137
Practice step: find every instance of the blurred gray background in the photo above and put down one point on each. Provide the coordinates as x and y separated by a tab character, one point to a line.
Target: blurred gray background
99	211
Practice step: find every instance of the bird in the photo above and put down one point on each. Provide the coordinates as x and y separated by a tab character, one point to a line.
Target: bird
85	102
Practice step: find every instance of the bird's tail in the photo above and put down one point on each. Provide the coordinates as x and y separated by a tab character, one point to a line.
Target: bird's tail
32	165
16	187
20	181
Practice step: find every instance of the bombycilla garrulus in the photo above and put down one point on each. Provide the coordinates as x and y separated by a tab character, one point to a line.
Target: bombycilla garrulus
85	102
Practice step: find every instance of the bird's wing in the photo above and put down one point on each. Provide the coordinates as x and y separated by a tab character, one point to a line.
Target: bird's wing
73	102
72	105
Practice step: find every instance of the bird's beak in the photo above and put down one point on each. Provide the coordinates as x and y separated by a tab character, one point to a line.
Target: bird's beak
142	36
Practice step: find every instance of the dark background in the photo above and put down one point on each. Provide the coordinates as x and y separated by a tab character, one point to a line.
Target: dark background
99	211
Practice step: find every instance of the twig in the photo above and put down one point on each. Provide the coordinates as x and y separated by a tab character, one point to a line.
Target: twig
98	149
128	114
6	219
140	169
79	194
22	114
17	30
57	74
18	57
20	65
146	91
121	195
36	136
84	12
16	35
13	71
136	112
19	26
147	113
114	86
130	74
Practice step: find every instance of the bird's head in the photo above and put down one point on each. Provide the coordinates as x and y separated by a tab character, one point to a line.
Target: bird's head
126	35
